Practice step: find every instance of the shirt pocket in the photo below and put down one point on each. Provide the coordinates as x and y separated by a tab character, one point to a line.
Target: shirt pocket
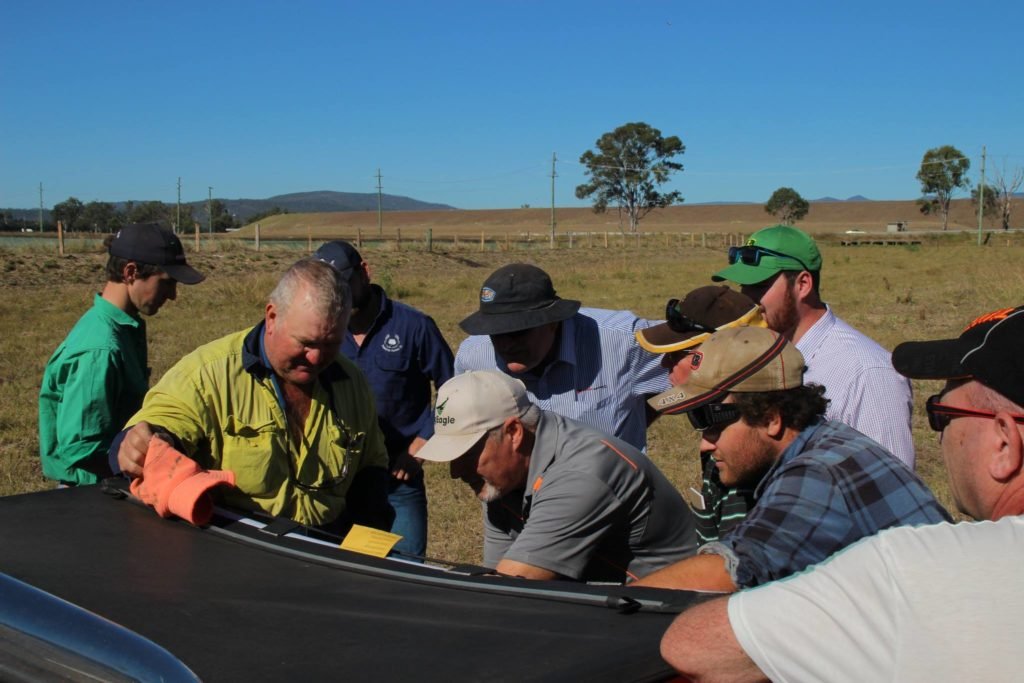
251	449
391	361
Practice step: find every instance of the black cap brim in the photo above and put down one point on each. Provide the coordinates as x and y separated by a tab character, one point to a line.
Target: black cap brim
517	321
938	359
185	274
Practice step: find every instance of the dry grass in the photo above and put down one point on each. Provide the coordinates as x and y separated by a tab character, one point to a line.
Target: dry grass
891	293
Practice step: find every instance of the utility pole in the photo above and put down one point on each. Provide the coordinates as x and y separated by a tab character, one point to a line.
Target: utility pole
177	221
554	158
40	207
380	222
209	208
981	194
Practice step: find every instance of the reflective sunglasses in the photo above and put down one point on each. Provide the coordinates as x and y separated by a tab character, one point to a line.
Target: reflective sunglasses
677	322
751	256
940	415
713	416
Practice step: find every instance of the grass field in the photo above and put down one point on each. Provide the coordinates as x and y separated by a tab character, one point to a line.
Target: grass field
892	293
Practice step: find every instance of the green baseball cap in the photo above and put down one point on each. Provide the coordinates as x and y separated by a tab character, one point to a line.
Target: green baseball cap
770	251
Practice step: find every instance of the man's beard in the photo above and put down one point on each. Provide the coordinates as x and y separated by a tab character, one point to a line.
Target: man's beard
489	493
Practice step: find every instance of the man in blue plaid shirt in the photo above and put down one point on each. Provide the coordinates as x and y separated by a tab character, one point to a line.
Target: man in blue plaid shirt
821	485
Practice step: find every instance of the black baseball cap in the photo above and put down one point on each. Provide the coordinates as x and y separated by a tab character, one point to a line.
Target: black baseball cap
155	245
341	255
988	350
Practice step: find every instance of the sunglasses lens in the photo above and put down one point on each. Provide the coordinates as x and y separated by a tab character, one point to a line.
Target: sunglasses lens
699	418
713	415
937	420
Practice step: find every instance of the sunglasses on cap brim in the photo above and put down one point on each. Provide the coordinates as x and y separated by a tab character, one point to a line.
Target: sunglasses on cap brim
678	322
751	256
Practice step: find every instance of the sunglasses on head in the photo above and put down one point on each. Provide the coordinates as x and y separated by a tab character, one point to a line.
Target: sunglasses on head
677	322
751	256
940	414
713	416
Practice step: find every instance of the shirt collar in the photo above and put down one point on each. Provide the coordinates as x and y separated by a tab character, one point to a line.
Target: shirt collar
817	333
794	449
112	312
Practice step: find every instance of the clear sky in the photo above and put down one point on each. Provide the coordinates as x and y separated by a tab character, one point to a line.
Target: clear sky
464	103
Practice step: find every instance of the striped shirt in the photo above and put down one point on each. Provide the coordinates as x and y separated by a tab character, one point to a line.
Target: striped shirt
863	389
601	376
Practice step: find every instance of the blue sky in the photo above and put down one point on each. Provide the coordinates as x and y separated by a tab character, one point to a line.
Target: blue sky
464	102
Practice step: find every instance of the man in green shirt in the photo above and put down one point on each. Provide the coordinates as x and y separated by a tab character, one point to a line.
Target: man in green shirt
97	377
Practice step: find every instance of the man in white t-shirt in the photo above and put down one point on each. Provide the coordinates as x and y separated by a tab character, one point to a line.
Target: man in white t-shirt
936	602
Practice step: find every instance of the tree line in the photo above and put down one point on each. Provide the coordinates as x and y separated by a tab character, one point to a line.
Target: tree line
629	164
105	217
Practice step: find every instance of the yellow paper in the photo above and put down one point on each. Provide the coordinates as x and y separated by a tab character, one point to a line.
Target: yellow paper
363	539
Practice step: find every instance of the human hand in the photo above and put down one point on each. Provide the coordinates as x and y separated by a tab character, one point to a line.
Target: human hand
406	467
131	456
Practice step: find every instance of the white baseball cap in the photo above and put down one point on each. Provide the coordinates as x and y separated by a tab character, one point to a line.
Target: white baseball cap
468	405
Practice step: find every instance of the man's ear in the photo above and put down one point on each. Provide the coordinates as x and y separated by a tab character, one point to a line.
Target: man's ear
130	272
271	316
804	285
513	429
1007	447
774	426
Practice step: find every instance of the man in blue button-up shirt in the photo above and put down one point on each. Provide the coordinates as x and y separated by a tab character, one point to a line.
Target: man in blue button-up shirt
401	351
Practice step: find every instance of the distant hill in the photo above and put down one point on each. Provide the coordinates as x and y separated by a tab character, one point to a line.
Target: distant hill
323	201
854	198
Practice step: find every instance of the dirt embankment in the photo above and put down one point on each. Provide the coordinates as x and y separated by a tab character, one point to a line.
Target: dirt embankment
824	217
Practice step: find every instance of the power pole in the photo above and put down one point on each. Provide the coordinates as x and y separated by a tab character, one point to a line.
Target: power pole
380	222
40	207
209	208
554	158
177	221
981	194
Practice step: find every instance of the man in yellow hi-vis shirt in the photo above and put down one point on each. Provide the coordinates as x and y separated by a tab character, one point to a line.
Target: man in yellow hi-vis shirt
278	406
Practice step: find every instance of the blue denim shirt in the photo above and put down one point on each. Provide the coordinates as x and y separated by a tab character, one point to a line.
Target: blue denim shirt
402	353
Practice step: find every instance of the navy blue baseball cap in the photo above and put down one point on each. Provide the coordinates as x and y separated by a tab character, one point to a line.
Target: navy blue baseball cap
341	255
155	245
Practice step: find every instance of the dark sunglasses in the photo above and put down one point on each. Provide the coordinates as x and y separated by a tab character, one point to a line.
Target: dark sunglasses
751	256
677	322
713	415
940	415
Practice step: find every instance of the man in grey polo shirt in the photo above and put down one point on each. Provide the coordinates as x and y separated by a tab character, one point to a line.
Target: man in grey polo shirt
562	499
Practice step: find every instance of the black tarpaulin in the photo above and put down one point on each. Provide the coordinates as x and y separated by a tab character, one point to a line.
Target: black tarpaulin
243	605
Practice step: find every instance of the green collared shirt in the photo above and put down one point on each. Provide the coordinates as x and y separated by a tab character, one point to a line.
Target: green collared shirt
92	384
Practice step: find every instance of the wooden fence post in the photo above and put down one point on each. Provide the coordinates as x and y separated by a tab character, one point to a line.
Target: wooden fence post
398	239
195	225
257	239
359	238
430	240
605	239
60	238
482	246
